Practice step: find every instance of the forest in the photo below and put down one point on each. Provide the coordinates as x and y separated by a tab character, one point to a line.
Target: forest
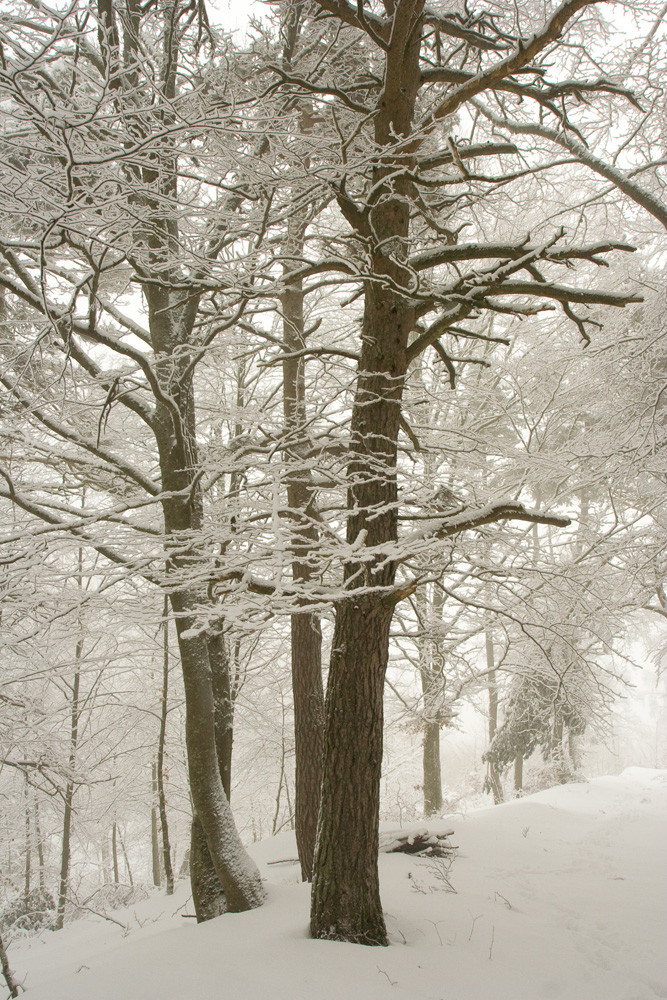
332	423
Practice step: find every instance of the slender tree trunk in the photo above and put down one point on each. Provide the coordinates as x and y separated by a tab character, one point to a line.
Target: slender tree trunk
10	979
162	798
40	849
574	750
155	844
114	852
518	774
558	756
106	868
28	843
493	773
127	860
432	769
432	670
306	633
66	850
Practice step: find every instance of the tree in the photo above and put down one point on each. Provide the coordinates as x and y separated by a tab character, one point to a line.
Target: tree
391	108
98	130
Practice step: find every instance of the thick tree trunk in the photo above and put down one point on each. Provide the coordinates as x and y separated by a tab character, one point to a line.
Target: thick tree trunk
237	873
346	899
207	892
346	896
201	655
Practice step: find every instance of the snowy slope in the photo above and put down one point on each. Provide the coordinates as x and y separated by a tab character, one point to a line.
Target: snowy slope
560	894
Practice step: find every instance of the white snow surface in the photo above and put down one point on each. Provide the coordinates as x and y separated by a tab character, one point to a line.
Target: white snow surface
559	894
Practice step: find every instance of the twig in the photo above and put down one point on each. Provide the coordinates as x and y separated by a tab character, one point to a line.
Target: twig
391	981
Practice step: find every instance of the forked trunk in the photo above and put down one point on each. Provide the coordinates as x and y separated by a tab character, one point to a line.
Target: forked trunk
236	871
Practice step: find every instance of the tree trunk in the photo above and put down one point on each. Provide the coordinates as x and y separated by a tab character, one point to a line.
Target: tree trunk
237	873
346	899
200	653
432	671
40	849
558	755
12	985
114	852
127	860
493	772
308	694
28	843
518	774
432	769
155	845
346	895
161	796
207	892
306	633
66	850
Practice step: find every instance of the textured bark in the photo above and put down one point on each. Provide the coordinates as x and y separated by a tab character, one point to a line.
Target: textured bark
10	979
223	699
346	895
306	633
346	899
236	871
207	892
308	733
171	324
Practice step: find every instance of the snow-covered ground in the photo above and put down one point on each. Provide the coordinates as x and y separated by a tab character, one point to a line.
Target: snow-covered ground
559	894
